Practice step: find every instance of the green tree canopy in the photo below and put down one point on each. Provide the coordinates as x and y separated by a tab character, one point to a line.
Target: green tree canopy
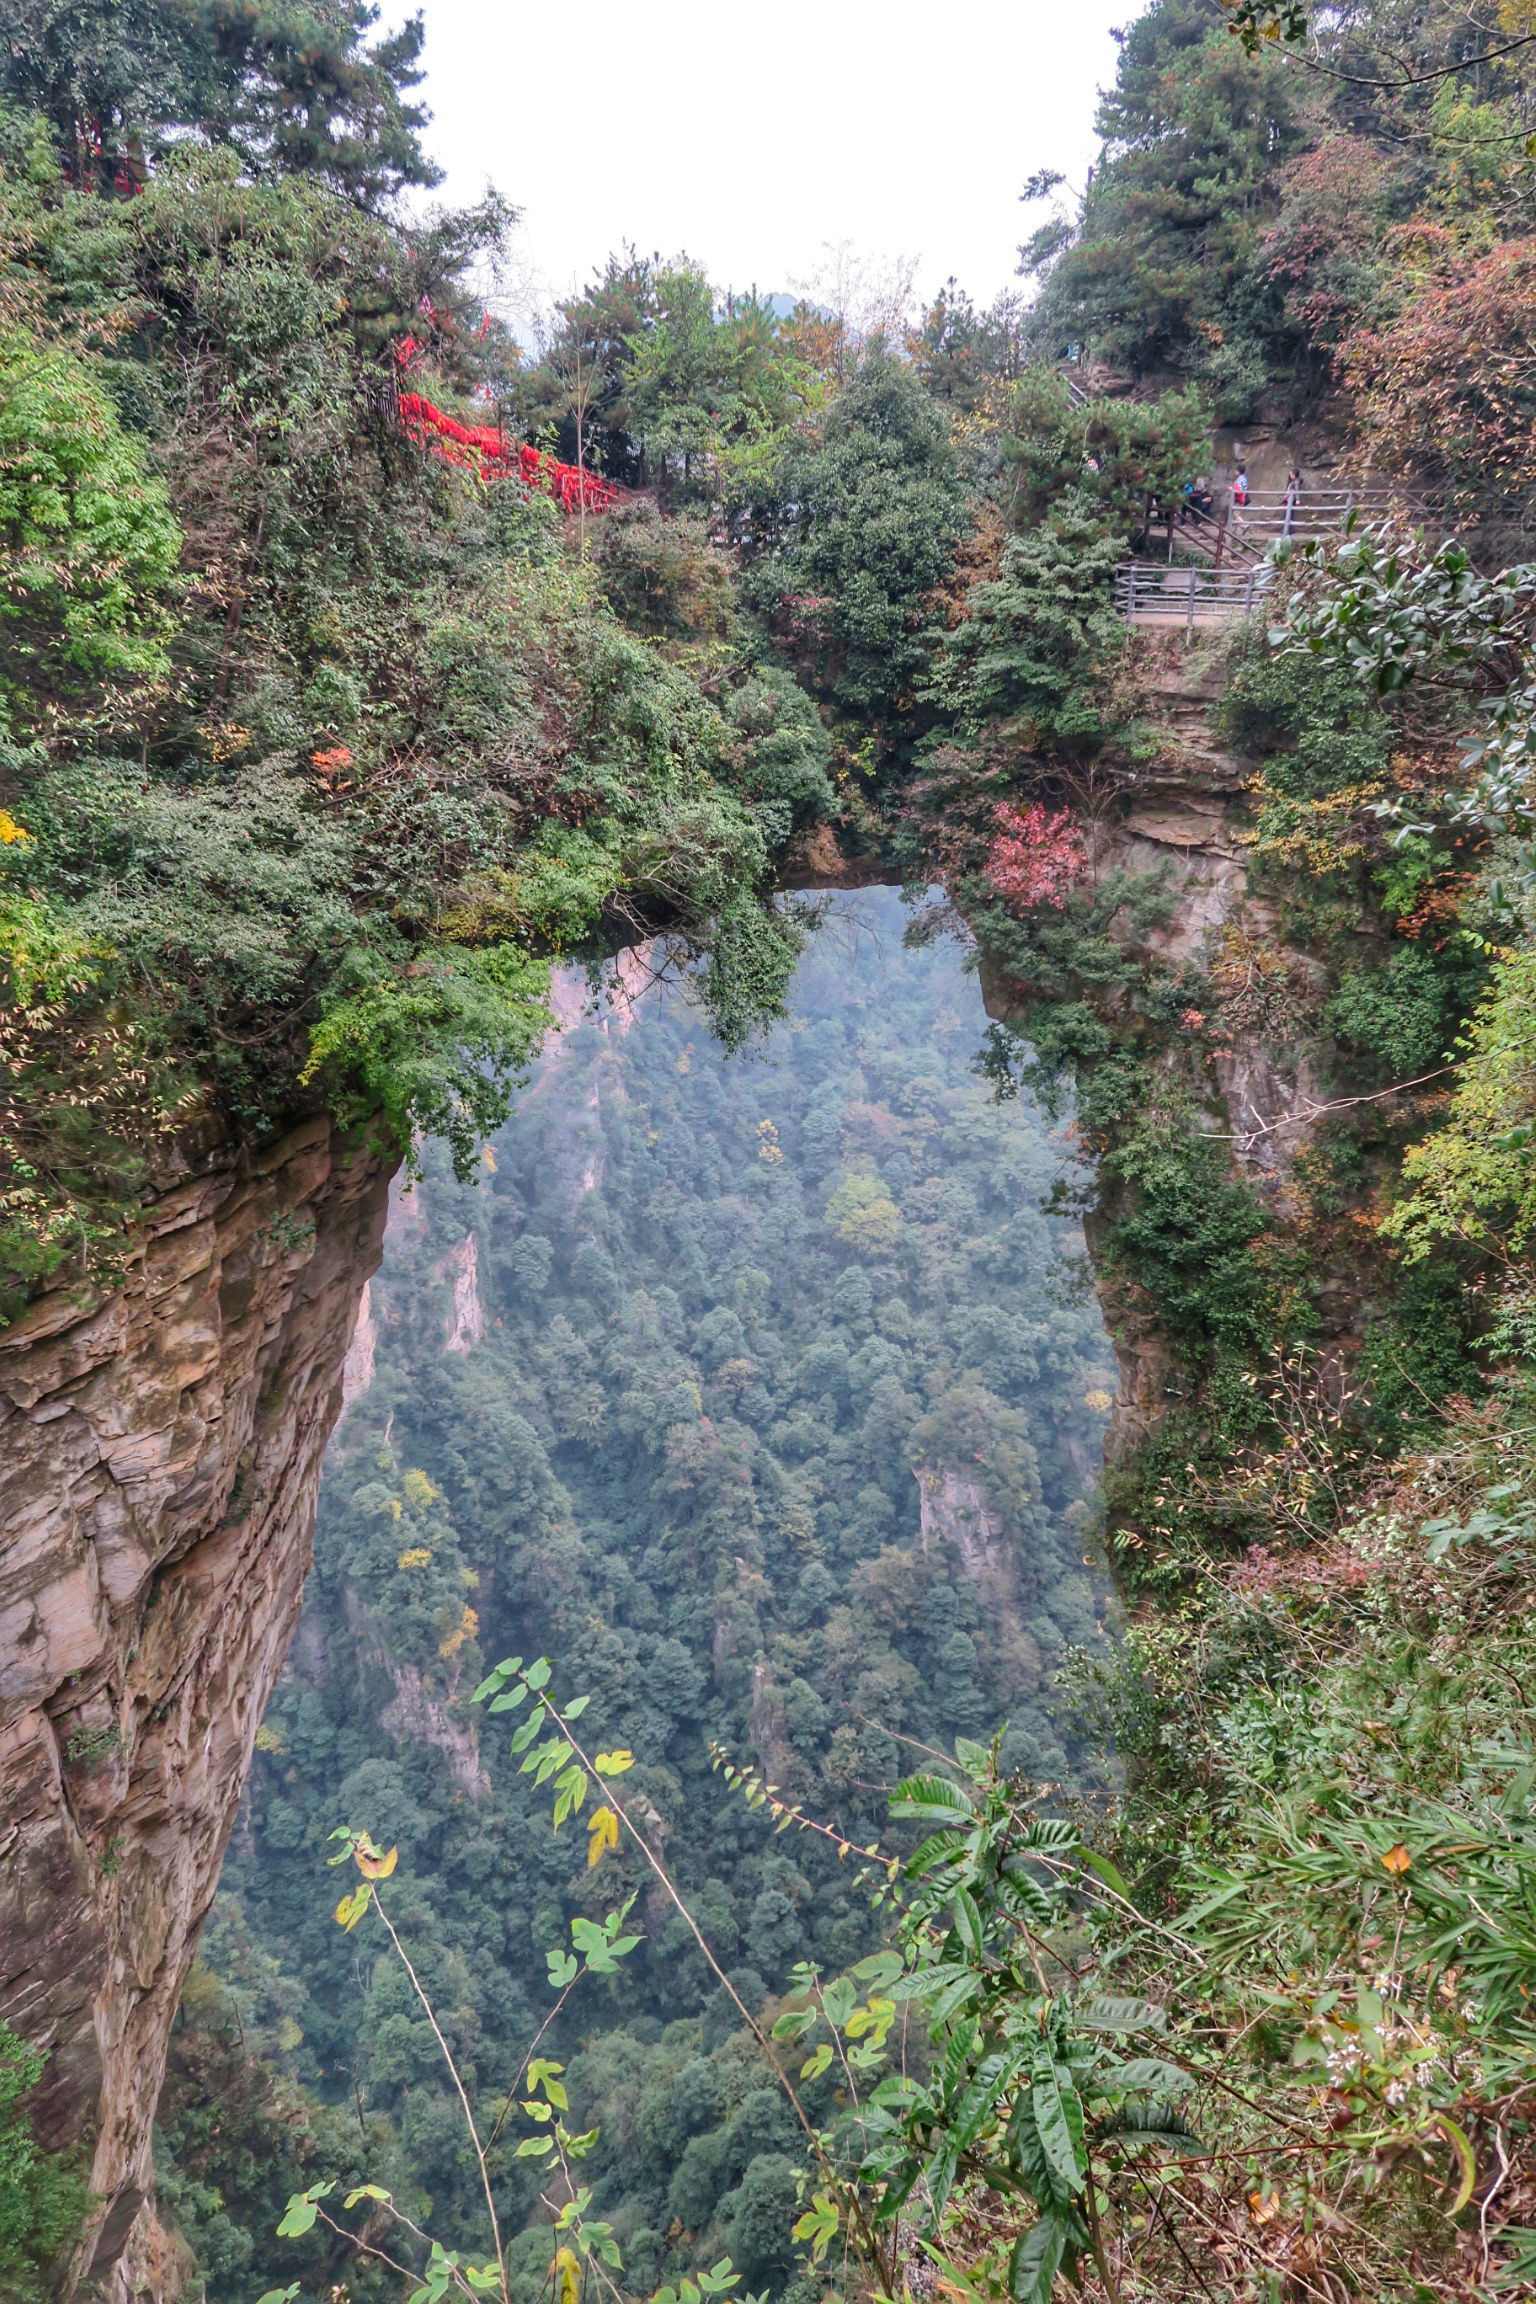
873	509
293	85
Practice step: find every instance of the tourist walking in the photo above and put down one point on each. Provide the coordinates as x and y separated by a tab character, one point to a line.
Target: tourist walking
1292	497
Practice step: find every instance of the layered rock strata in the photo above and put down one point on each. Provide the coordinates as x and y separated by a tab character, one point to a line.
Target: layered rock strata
160	1453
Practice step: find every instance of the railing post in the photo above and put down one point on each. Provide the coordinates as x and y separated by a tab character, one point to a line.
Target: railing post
1248	602
1189	621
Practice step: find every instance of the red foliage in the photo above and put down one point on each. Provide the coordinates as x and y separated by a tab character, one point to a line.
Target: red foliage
1331	204
1450	384
485	450
1035	858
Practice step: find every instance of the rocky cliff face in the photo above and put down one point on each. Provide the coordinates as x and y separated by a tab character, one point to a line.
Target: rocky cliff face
161	1449
1180	816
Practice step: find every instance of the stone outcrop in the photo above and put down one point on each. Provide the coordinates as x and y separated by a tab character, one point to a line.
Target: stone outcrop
466	1320
160	1447
1179	816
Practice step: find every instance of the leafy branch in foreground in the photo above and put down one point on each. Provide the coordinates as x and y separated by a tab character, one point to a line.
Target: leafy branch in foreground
1025	2086
585	2247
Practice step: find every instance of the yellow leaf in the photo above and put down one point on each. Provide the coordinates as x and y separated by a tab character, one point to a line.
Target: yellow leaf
614	1763
567	2270
10	830
1397	1859
603	1828
351	1908
377	1867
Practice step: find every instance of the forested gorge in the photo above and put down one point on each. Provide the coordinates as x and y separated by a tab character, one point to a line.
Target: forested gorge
916	1680
732	1319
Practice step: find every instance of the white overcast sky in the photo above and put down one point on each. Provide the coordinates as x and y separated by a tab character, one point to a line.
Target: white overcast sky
754	138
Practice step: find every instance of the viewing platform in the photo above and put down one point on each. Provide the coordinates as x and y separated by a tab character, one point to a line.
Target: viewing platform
1149	593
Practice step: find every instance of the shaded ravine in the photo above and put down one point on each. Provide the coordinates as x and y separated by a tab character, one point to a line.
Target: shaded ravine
764	1394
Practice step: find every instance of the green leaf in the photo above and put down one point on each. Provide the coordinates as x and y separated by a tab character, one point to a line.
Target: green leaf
366	2192
817	2062
878	1970
994	2076
967	1919
1153	2123
839	2001
497	1677
528	1731
280	2295
576	1707
534	2147
1036	2260
510	1699
301	2211
1105	2014
537	1674
818	2225
1105	1870
562	1970
1144	2072
1059	2121
933	1800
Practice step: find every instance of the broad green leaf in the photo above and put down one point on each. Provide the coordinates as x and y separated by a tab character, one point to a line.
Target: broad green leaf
1153	2123
839	2000
1059	2122
818	2225
576	1707
878	1970
510	1699
534	2147
497	1677
1053	1833
817	2062
967	1919
527	1732
994	2076
1144	2072
1036	2260
366	2192
538	1673
933	1800
1105	2014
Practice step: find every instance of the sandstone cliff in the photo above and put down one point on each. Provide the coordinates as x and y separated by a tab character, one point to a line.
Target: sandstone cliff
1180	816
161	1449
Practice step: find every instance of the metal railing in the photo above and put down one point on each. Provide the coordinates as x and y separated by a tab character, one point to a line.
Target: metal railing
1148	593
1270	514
